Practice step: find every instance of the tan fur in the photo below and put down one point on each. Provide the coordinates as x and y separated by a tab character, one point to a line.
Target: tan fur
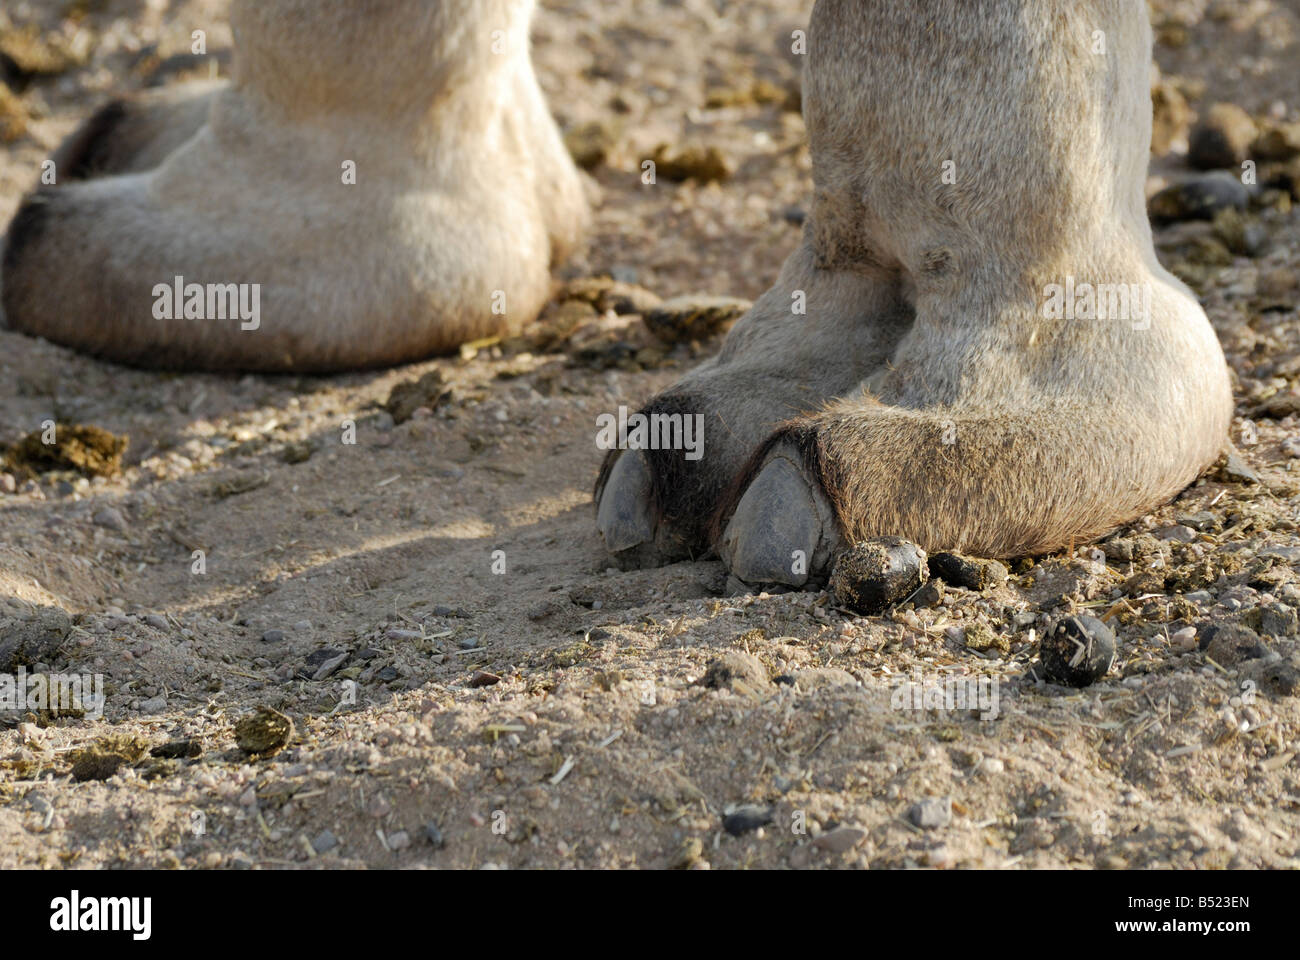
1059	429
465	196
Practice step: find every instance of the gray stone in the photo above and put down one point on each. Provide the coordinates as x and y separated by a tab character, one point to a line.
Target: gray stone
1231	643
110	518
1200	198
747	818
931	813
1237	470
1273	620
328	668
841	839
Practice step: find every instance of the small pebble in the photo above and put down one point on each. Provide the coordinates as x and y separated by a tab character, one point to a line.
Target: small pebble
1184	640
841	839
931	813
110	518
1237	470
745	819
330	667
930	595
794	215
940	858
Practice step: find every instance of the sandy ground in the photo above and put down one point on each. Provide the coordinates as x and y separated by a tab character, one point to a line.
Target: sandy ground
471	685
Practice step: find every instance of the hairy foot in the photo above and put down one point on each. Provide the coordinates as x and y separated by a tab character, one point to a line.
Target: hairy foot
376	186
997	419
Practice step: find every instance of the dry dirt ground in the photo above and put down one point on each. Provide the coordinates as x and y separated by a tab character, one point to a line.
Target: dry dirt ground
471	685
